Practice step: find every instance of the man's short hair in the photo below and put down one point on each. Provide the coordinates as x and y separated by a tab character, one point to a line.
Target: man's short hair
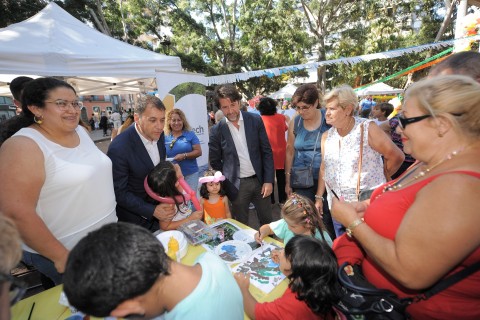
115	263
148	100
226	91
17	85
464	63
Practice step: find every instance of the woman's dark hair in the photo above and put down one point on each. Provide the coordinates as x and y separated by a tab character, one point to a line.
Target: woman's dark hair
386	108
267	107
34	94
162	180
203	188
314	273
307	93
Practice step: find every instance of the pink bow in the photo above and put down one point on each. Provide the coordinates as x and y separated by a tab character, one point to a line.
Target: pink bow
217	177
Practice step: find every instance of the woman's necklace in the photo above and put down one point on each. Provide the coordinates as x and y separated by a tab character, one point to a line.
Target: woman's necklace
346	128
400	183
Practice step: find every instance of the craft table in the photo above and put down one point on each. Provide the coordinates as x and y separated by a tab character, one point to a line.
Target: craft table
47	306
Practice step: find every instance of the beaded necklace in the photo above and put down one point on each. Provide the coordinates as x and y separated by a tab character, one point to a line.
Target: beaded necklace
400	183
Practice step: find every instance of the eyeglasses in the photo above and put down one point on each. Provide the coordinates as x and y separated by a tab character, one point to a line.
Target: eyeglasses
64	104
17	287
172	143
308	106
403	122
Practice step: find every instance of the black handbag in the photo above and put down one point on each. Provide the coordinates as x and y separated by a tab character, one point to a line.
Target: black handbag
302	177
362	300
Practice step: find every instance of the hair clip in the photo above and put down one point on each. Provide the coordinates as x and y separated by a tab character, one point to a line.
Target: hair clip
307	220
217	177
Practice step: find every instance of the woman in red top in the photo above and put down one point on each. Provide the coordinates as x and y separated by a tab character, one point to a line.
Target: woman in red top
313	290
276	126
423	226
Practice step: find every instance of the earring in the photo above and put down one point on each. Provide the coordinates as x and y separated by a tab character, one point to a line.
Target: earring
38	119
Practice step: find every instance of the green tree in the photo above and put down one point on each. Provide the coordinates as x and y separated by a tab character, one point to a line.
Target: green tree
13	11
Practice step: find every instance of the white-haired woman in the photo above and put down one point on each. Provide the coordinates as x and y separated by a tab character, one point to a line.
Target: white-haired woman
357	154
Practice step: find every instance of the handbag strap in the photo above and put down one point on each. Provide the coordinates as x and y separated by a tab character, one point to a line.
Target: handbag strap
315	148
447	282
360	158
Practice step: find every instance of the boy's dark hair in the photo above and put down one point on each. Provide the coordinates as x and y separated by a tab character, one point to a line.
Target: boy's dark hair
17	85
267	107
314	273
203	188
386	108
162	180
226	91
117	262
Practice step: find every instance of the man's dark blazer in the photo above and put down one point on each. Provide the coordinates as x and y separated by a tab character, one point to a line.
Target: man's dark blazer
223	155
130	165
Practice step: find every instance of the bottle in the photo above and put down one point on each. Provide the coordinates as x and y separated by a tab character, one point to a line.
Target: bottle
173	248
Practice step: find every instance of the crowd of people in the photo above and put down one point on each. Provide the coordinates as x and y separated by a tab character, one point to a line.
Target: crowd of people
396	196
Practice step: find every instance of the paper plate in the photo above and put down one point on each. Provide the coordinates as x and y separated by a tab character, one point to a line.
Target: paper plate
164	238
233	251
245	235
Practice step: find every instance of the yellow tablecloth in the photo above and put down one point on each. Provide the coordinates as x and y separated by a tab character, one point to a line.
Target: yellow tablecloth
48	308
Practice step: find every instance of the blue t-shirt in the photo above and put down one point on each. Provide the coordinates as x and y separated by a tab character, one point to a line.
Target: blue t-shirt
367	104
280	228
305	145
183	144
216	296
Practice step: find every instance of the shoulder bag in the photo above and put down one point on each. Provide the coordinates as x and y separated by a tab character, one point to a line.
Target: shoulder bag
362	300
302	177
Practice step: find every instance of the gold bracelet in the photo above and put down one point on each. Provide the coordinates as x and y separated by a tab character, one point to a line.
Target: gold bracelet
352	226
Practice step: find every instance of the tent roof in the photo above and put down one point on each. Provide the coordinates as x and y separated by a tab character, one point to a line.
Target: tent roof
378	88
285	92
54	43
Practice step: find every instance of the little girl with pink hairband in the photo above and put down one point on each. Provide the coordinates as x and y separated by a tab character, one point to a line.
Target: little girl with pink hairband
213	199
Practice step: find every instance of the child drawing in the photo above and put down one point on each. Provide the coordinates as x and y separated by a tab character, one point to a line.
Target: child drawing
299	217
214	201
311	268
163	181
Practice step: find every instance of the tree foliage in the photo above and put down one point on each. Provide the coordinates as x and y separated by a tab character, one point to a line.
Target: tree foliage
217	37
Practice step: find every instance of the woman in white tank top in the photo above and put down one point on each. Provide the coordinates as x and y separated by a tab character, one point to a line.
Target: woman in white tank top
57	185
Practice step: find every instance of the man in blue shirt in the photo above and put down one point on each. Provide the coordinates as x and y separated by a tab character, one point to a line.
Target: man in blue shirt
366	106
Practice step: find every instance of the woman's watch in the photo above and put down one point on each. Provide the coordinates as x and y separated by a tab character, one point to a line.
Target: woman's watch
317	197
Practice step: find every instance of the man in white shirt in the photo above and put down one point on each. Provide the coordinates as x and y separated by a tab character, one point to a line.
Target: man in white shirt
134	154
240	149
116	118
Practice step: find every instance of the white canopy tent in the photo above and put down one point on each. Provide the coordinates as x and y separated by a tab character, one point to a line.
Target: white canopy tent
378	88
285	92
54	43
